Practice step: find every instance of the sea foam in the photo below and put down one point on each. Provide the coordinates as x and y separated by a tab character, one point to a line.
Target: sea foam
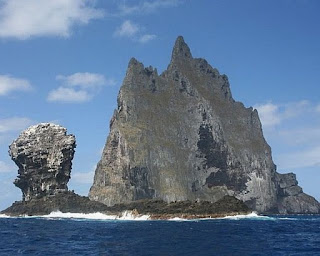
126	215
253	216
4	216
130	216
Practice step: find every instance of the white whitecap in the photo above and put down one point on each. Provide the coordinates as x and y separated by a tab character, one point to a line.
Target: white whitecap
179	219
4	216
126	215
252	215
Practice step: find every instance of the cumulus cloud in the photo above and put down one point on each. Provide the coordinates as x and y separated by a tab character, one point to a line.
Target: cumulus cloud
272	114
294	132
9	127
127	29
9	84
146	38
85	80
133	31
301	136
300	159
78	87
146	7
22	19
69	95
269	114
14	124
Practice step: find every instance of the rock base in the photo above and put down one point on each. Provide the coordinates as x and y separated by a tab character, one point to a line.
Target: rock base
156	209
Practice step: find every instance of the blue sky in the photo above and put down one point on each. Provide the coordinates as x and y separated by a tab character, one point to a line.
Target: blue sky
64	61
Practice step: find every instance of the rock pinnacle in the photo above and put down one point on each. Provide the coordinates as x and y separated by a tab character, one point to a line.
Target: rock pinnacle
180	50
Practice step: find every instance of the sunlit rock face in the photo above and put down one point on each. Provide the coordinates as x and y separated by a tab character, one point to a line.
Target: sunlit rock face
43	154
181	136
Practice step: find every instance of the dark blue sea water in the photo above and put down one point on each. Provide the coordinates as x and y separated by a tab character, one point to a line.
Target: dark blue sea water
293	235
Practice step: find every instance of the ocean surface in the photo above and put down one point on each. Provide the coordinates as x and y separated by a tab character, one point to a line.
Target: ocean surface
97	234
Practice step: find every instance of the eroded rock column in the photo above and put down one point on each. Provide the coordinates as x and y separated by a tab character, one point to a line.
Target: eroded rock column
44	154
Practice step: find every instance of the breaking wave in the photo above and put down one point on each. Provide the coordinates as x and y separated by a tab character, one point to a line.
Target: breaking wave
131	216
126	215
251	216
4	216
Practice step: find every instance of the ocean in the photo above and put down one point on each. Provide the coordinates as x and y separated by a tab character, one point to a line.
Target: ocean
97	234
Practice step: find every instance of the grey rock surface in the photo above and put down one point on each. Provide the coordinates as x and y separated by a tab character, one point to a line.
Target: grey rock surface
43	154
181	136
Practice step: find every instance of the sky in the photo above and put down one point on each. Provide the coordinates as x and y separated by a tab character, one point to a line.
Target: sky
64	61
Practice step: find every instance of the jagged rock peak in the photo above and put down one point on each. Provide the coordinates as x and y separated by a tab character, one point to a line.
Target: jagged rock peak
133	62
181	136
43	153
41	127
180	50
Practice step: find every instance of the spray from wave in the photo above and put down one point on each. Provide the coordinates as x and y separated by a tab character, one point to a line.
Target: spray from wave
4	216
250	216
132	216
126	215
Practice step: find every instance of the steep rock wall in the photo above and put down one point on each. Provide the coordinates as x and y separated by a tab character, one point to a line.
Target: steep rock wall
181	136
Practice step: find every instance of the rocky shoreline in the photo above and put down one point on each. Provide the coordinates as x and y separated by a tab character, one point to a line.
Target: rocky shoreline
70	202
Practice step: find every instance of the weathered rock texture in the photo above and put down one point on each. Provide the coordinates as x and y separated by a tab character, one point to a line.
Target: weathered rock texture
43	154
181	136
157	209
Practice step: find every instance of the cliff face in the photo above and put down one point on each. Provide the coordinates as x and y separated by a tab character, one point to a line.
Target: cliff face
181	136
43	154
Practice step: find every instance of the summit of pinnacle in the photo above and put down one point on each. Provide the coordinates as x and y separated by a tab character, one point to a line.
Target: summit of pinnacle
181	49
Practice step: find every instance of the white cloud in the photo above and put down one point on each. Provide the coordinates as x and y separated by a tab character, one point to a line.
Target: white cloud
10	84
83	177
23	19
301	136
78	87
294	132
145	7
4	167
272	114
294	109
133	31
300	159
14	124
146	38
85	80
318	108
127	29
68	95
269	114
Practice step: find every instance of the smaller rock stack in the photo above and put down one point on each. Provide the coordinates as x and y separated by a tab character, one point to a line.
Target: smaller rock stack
43	154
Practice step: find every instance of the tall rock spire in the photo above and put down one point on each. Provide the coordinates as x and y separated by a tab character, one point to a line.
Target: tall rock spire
180	50
181	136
